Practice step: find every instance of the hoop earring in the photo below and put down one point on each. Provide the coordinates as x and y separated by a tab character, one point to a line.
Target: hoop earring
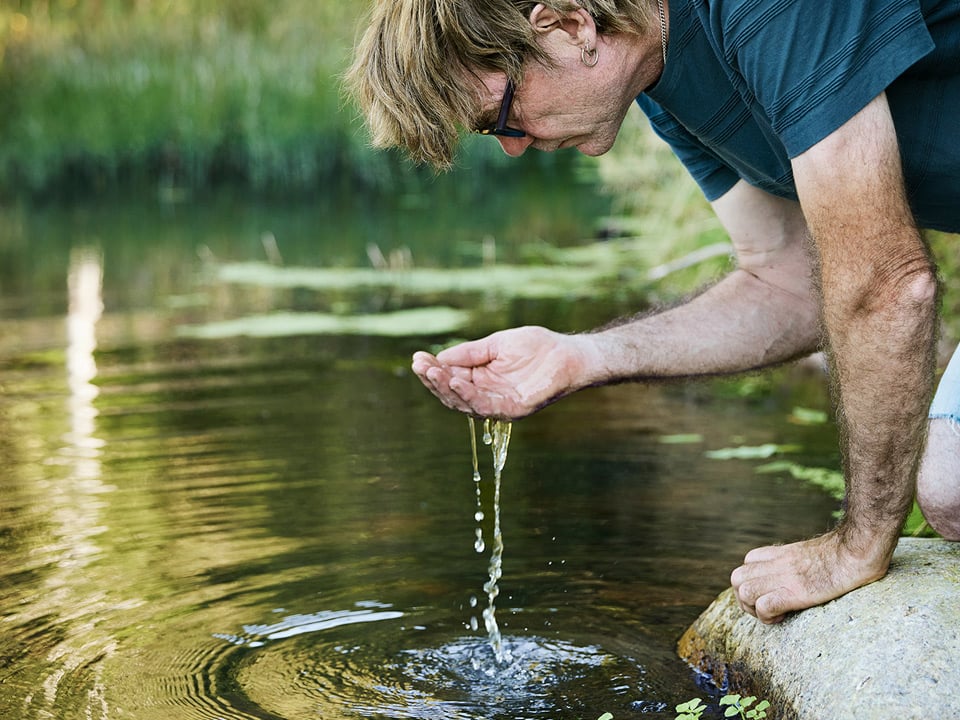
589	57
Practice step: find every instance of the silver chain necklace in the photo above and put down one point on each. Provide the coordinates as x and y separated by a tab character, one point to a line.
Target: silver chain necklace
663	31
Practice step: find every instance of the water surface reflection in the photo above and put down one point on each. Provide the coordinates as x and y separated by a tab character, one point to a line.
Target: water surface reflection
285	527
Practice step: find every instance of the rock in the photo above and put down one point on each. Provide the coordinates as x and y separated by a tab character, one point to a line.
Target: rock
887	650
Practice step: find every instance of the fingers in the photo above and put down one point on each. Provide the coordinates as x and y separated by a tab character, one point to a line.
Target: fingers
767	602
483	402
761	554
452	376
774	606
769	607
759	585
437	377
779	579
469	354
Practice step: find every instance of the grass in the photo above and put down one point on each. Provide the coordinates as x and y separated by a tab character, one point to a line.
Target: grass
176	90
181	93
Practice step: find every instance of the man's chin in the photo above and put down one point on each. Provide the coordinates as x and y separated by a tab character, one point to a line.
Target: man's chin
593	149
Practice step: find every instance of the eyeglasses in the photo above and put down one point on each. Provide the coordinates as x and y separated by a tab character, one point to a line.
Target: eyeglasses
500	128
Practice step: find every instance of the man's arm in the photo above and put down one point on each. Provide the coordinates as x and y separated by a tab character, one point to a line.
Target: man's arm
878	291
762	313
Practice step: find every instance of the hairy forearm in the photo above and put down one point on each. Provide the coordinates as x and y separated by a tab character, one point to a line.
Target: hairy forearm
881	338
878	292
739	324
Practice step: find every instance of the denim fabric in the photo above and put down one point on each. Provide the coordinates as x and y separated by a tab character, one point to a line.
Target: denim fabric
946	403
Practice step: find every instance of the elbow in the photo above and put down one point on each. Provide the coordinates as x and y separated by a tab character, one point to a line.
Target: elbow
914	290
923	288
903	296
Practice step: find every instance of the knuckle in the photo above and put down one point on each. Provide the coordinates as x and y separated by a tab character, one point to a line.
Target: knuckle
749	592
737	578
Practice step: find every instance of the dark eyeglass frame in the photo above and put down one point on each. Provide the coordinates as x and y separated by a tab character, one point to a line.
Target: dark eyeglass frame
500	127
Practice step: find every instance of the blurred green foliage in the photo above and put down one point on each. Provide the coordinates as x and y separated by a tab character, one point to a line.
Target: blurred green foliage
181	94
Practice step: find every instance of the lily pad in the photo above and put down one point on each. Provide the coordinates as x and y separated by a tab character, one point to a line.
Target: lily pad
512	280
830	480
806	416
403	323
681	439
758	452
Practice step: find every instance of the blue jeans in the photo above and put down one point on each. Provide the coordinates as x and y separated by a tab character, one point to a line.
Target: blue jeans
946	403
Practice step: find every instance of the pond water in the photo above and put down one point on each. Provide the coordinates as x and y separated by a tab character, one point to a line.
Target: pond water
285	526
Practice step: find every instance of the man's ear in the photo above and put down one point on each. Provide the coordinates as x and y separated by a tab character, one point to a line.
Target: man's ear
578	25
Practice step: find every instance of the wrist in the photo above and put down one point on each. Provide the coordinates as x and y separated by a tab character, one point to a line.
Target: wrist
592	360
872	543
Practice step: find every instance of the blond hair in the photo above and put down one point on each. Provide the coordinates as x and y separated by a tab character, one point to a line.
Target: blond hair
412	68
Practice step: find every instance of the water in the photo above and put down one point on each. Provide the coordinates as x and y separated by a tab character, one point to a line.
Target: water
283	527
496	434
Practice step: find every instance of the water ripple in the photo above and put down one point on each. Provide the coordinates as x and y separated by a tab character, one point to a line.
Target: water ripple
303	665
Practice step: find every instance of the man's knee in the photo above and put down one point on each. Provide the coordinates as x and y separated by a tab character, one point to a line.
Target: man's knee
938	485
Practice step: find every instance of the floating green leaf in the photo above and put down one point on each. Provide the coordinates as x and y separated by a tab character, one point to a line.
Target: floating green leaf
526	281
829	480
681	439
403	323
806	416
746	452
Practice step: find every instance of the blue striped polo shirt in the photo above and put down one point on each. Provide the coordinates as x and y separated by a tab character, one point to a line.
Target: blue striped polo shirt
750	84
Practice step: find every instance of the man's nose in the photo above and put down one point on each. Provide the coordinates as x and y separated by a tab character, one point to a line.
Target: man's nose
515	147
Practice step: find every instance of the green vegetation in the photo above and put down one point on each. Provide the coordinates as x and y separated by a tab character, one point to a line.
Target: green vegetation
746	708
181	94
829	480
736	706
401	323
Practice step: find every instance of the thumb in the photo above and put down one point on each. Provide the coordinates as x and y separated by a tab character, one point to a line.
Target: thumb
469	354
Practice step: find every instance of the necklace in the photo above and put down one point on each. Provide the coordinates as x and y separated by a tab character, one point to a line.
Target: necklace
663	31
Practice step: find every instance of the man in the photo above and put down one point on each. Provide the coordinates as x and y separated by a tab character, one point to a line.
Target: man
823	133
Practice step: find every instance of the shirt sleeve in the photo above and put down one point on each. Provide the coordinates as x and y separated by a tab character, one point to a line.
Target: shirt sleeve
810	65
713	176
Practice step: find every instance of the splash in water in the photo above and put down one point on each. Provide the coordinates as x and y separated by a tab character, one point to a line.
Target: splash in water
496	434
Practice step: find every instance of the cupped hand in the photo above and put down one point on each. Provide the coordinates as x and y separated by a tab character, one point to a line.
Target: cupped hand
776	580
507	375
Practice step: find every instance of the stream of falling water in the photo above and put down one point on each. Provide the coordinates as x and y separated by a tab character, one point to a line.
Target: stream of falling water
496	434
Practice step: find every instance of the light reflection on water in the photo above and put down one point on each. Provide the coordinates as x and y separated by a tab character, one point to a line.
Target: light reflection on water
285	528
